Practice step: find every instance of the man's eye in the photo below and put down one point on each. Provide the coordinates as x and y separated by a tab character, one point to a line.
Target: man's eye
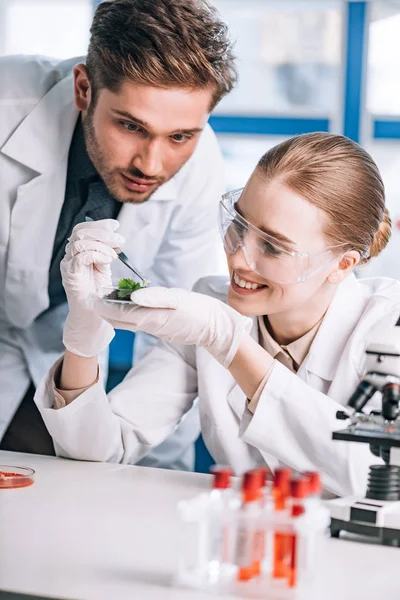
180	137
130	126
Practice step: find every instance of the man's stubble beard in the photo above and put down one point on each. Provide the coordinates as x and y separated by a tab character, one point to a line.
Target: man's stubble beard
99	162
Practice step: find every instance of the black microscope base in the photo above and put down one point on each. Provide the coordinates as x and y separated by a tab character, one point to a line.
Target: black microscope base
386	537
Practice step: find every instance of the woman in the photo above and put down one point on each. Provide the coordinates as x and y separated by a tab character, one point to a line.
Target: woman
268	386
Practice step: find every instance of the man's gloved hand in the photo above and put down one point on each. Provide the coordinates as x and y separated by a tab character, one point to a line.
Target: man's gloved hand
85	269
183	317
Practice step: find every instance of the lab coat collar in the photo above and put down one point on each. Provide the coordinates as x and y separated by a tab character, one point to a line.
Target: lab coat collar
167	191
43	138
342	316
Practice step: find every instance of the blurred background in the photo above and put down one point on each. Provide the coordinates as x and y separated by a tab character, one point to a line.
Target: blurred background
305	65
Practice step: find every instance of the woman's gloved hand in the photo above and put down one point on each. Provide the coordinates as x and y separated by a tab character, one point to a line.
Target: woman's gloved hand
84	269
183	317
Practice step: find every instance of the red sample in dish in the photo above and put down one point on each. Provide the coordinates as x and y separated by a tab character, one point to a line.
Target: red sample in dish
15	477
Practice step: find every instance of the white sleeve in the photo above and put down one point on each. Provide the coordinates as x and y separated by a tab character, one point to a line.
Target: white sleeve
137	415
14	375
294	423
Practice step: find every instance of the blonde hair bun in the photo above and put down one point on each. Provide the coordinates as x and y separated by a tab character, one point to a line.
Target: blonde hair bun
382	236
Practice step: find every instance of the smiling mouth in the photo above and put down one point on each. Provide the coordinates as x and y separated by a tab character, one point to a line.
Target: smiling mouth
245	284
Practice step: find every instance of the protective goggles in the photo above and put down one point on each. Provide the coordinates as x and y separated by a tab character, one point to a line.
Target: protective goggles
269	257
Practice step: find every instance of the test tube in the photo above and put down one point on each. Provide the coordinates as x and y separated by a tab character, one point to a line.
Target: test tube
298	493
248	542
267	478
267	521
312	505
220	522
281	541
314	485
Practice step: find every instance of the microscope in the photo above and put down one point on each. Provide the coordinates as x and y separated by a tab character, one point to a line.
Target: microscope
377	515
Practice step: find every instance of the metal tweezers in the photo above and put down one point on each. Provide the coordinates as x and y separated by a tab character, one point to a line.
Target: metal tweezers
123	258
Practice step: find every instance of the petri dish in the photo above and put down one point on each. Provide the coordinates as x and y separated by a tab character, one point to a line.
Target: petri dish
115	295
15	477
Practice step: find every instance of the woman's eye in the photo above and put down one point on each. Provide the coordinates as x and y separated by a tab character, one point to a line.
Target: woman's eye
240	228
271	249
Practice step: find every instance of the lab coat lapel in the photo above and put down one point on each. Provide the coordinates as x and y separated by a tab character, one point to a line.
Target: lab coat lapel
40	143
44	136
339	322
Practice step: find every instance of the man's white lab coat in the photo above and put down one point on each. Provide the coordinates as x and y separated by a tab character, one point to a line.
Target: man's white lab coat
292	424
172	238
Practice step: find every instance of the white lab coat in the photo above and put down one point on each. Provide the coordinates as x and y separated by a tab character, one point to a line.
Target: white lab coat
172	238
293	422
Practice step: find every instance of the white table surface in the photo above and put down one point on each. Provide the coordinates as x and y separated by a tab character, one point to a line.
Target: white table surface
91	531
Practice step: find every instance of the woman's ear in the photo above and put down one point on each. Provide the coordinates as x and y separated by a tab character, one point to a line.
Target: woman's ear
346	265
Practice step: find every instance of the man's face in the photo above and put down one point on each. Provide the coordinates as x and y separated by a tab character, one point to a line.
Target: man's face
139	137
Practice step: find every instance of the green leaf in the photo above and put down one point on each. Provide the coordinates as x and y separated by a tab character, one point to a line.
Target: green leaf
126	287
126	284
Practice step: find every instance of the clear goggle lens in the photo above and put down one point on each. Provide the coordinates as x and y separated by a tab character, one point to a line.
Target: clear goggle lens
263	253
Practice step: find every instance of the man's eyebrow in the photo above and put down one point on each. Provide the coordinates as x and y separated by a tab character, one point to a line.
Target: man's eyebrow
127	115
275	234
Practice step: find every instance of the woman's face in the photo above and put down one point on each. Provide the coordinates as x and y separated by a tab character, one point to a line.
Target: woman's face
282	213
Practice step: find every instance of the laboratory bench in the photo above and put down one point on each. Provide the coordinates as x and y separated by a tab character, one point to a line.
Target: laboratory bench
100	531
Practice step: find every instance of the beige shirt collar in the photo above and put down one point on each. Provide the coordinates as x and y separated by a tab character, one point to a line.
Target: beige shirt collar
290	355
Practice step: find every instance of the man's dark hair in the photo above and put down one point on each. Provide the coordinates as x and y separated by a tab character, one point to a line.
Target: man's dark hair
162	43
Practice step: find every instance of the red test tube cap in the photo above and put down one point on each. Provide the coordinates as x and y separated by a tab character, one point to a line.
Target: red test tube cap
222	477
252	483
265	474
282	480
299	488
314	482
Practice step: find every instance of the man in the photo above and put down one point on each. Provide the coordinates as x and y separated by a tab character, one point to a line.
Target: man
123	135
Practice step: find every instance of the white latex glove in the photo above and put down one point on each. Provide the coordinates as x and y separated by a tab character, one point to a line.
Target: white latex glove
84	269
183	317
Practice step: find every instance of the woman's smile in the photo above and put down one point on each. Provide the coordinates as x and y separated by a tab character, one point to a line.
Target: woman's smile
245	286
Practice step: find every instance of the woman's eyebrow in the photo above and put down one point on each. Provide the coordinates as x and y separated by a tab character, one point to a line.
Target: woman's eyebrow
275	234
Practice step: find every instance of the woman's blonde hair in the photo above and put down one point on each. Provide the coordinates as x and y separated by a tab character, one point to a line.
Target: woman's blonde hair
336	175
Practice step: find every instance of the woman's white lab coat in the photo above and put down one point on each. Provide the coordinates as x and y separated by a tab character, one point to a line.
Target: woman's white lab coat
292	424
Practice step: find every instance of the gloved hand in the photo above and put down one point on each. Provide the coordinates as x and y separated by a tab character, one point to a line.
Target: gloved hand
84	269
183	317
